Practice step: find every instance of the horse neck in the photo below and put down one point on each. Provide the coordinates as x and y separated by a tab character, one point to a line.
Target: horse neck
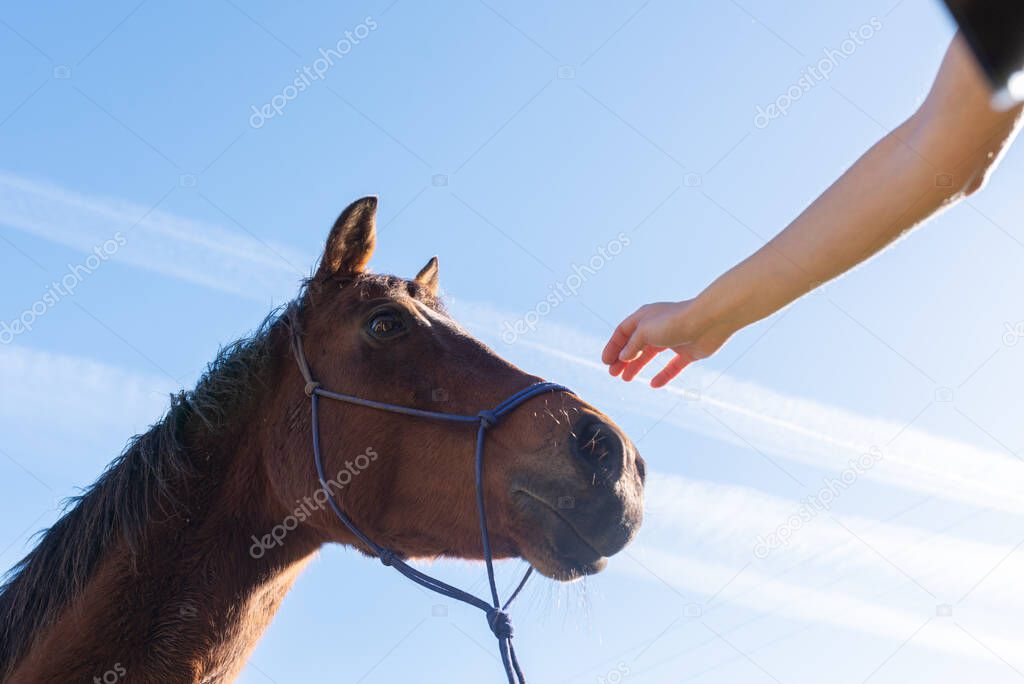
190	606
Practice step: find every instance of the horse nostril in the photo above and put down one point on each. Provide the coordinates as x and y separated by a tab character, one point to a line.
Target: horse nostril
599	445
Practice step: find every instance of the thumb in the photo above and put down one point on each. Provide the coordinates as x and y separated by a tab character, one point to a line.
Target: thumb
634	346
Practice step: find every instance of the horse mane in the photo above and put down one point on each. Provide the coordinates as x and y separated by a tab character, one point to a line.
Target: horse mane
141	485
145	483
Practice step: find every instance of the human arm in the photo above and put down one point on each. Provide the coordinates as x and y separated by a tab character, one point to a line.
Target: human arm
942	153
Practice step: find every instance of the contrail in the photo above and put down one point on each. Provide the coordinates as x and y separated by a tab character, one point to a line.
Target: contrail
726	521
195	251
793	428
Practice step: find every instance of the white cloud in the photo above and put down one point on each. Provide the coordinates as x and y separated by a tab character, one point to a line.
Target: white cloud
195	251
797	601
725	520
49	395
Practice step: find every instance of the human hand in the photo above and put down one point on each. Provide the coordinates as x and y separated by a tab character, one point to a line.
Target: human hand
658	327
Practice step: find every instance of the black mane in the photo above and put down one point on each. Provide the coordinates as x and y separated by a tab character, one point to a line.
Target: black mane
145	482
139	484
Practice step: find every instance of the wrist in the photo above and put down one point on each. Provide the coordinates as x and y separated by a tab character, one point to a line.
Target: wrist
718	308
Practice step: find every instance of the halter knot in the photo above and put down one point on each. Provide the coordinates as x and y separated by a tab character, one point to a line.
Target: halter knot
500	623
488	419
311	387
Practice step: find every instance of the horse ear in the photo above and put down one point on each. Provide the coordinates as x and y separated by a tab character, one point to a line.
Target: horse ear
352	239
428	276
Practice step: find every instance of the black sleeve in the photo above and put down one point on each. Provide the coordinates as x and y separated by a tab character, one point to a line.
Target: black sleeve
995	31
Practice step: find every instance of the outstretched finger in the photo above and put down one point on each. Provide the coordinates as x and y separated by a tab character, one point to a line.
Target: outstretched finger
637	364
671	370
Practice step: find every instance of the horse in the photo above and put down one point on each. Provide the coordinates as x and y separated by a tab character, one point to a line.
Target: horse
172	564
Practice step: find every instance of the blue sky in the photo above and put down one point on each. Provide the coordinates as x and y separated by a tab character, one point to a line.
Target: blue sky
515	141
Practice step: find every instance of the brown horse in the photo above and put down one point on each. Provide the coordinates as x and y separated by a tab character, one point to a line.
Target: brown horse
173	563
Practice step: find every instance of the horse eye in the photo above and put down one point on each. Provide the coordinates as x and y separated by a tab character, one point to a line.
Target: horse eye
385	325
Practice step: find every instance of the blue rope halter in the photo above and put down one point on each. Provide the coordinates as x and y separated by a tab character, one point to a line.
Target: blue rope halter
497	616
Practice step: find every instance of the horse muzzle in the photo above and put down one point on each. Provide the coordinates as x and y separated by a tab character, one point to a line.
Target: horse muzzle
585	509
